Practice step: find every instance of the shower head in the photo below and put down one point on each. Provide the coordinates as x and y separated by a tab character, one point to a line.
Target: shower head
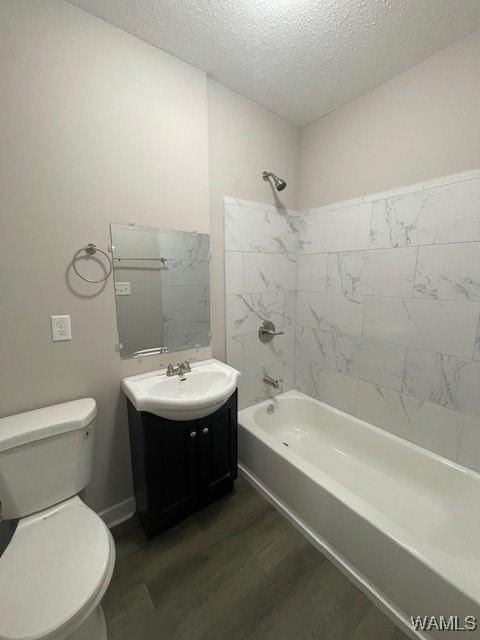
279	183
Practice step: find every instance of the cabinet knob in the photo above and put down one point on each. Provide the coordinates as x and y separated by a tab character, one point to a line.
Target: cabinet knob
205	430
193	434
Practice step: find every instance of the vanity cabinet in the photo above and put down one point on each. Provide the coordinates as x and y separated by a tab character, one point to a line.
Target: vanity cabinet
181	466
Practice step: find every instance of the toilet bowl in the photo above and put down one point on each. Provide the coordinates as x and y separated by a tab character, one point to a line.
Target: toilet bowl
57	565
53	575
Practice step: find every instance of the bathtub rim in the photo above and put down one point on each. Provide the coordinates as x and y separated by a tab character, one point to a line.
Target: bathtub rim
293	393
356	504
338	560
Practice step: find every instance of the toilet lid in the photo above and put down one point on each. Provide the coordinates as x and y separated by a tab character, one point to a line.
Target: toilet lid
55	563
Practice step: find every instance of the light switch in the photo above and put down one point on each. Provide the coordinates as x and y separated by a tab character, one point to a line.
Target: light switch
123	289
61	328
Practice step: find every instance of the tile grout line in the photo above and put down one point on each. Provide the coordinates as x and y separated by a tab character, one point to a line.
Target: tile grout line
386	248
404	347
407	190
395	344
356	250
382	295
387	388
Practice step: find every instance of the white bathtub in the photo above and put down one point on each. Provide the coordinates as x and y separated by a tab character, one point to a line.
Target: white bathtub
403	523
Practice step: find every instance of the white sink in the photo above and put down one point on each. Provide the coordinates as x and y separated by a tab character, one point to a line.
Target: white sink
193	395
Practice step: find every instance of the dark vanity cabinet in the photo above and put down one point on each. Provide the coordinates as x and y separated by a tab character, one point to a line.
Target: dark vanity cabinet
180	467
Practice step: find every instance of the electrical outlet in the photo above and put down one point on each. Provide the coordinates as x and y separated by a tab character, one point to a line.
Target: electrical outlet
61	328
123	289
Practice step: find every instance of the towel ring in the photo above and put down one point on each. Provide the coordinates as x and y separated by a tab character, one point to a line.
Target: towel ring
91	249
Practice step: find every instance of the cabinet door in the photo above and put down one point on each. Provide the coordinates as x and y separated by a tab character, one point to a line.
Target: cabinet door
172	472
217	452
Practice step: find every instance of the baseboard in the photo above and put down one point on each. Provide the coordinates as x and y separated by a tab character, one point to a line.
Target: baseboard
119	512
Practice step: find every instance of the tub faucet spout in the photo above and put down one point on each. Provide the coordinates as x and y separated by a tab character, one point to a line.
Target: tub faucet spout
271	381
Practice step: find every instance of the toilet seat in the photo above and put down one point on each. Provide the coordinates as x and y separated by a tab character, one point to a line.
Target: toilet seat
54	572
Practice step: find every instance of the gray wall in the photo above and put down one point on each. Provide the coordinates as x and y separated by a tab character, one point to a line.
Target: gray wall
387	306
244	140
95	127
420	125
388	309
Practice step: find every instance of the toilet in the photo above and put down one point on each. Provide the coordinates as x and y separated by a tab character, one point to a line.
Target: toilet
56	554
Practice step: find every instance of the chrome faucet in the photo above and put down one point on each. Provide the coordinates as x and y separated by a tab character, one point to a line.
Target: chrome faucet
179	369
271	381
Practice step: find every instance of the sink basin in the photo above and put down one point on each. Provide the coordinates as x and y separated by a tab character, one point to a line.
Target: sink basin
193	395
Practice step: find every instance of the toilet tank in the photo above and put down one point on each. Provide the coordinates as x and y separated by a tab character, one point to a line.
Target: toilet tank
46	456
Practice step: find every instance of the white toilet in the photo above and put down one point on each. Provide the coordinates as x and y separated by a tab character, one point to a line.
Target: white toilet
56	567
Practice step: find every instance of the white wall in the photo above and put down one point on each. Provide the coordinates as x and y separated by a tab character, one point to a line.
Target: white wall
261	247
95	127
388	308
371	267
244	140
420	125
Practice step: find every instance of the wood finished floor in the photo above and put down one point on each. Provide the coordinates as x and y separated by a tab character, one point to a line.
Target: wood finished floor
235	571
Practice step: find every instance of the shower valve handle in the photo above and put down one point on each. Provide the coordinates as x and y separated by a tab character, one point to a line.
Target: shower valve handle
267	331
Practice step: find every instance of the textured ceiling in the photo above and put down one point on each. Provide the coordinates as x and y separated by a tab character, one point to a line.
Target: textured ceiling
299	58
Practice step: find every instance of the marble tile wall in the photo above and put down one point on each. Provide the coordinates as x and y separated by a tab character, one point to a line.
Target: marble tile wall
185	286
379	298
261	246
388	307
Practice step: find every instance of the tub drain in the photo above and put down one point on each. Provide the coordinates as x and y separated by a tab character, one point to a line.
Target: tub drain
285	443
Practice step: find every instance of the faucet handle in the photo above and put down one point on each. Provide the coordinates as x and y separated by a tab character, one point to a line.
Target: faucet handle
170	369
187	365
267	331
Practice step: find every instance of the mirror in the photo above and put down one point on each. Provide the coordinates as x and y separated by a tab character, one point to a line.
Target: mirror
162	290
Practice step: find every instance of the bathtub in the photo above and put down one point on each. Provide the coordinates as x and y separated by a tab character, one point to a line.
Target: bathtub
401	522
